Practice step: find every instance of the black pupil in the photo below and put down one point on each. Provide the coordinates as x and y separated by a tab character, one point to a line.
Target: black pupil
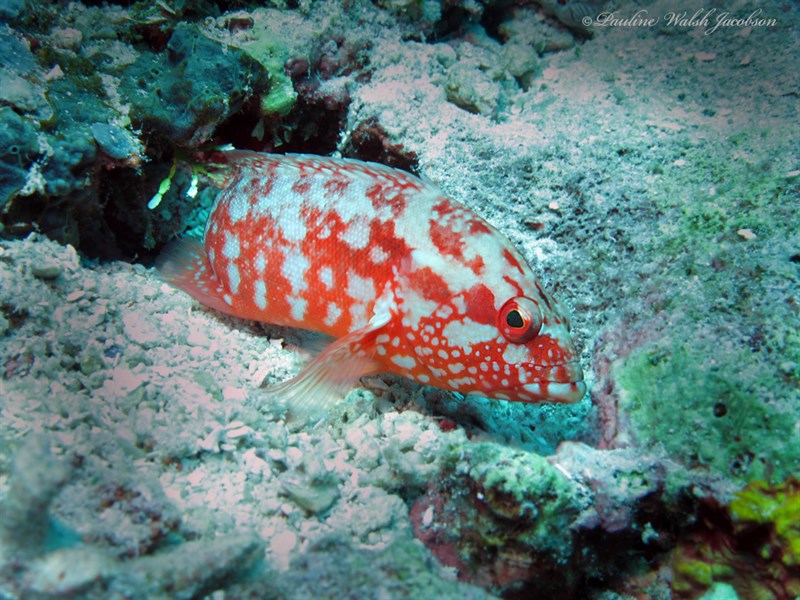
514	319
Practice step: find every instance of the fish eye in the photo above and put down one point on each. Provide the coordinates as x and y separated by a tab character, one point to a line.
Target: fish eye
520	319
514	319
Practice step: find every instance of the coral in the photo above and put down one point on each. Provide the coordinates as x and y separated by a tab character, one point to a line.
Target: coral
752	545
517	523
501	518
38	560
776	509
370	141
572	13
36	477
723	423
18	149
334	567
191	88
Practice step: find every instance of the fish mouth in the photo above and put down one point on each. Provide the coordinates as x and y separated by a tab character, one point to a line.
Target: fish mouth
552	391
557	383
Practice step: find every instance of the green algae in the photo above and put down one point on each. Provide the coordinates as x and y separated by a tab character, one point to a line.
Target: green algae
524	487
506	511
709	408
720	388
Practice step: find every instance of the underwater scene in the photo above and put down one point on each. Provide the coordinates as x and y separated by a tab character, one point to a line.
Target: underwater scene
400	299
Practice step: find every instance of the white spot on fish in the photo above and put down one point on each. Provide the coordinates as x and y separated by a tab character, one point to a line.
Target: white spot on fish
440	373
291	224
297	307
445	312
294	270
357	233
334	312
260	294
326	277
230	249
233	278
467	332
403	361
378	255
361	289
239	205
260	262
358	314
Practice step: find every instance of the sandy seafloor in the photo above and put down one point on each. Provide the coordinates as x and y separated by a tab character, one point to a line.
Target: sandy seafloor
649	173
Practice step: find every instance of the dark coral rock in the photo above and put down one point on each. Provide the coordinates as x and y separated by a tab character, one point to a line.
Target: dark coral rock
752	545
370	141
113	140
503	519
18	149
184	94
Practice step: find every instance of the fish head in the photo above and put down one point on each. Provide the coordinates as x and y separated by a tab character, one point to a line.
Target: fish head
513	347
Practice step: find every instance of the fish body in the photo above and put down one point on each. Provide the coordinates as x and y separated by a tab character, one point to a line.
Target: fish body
407	280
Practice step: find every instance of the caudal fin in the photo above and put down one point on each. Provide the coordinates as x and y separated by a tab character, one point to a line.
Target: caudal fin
184	264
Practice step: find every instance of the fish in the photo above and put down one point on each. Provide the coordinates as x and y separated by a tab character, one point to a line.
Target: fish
405	279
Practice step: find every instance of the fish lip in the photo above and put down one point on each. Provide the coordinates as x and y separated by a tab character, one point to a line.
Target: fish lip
566	372
561	383
565	393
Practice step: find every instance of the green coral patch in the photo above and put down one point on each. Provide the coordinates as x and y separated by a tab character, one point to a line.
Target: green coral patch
707	405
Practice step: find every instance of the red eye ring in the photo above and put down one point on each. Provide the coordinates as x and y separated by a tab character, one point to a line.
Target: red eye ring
519	320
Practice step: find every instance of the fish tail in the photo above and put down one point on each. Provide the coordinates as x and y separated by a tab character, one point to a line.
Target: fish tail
184	264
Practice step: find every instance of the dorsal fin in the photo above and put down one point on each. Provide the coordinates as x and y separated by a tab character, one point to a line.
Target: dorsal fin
231	162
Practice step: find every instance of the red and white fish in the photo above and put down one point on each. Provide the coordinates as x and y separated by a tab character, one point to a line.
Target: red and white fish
408	281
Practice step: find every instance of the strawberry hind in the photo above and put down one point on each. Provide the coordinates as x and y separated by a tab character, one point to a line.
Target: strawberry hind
407	280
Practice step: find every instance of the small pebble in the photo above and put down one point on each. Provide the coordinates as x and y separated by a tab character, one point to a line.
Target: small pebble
427	517
47	271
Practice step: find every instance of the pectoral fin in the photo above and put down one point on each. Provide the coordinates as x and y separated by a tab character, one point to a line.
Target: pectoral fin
330	375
